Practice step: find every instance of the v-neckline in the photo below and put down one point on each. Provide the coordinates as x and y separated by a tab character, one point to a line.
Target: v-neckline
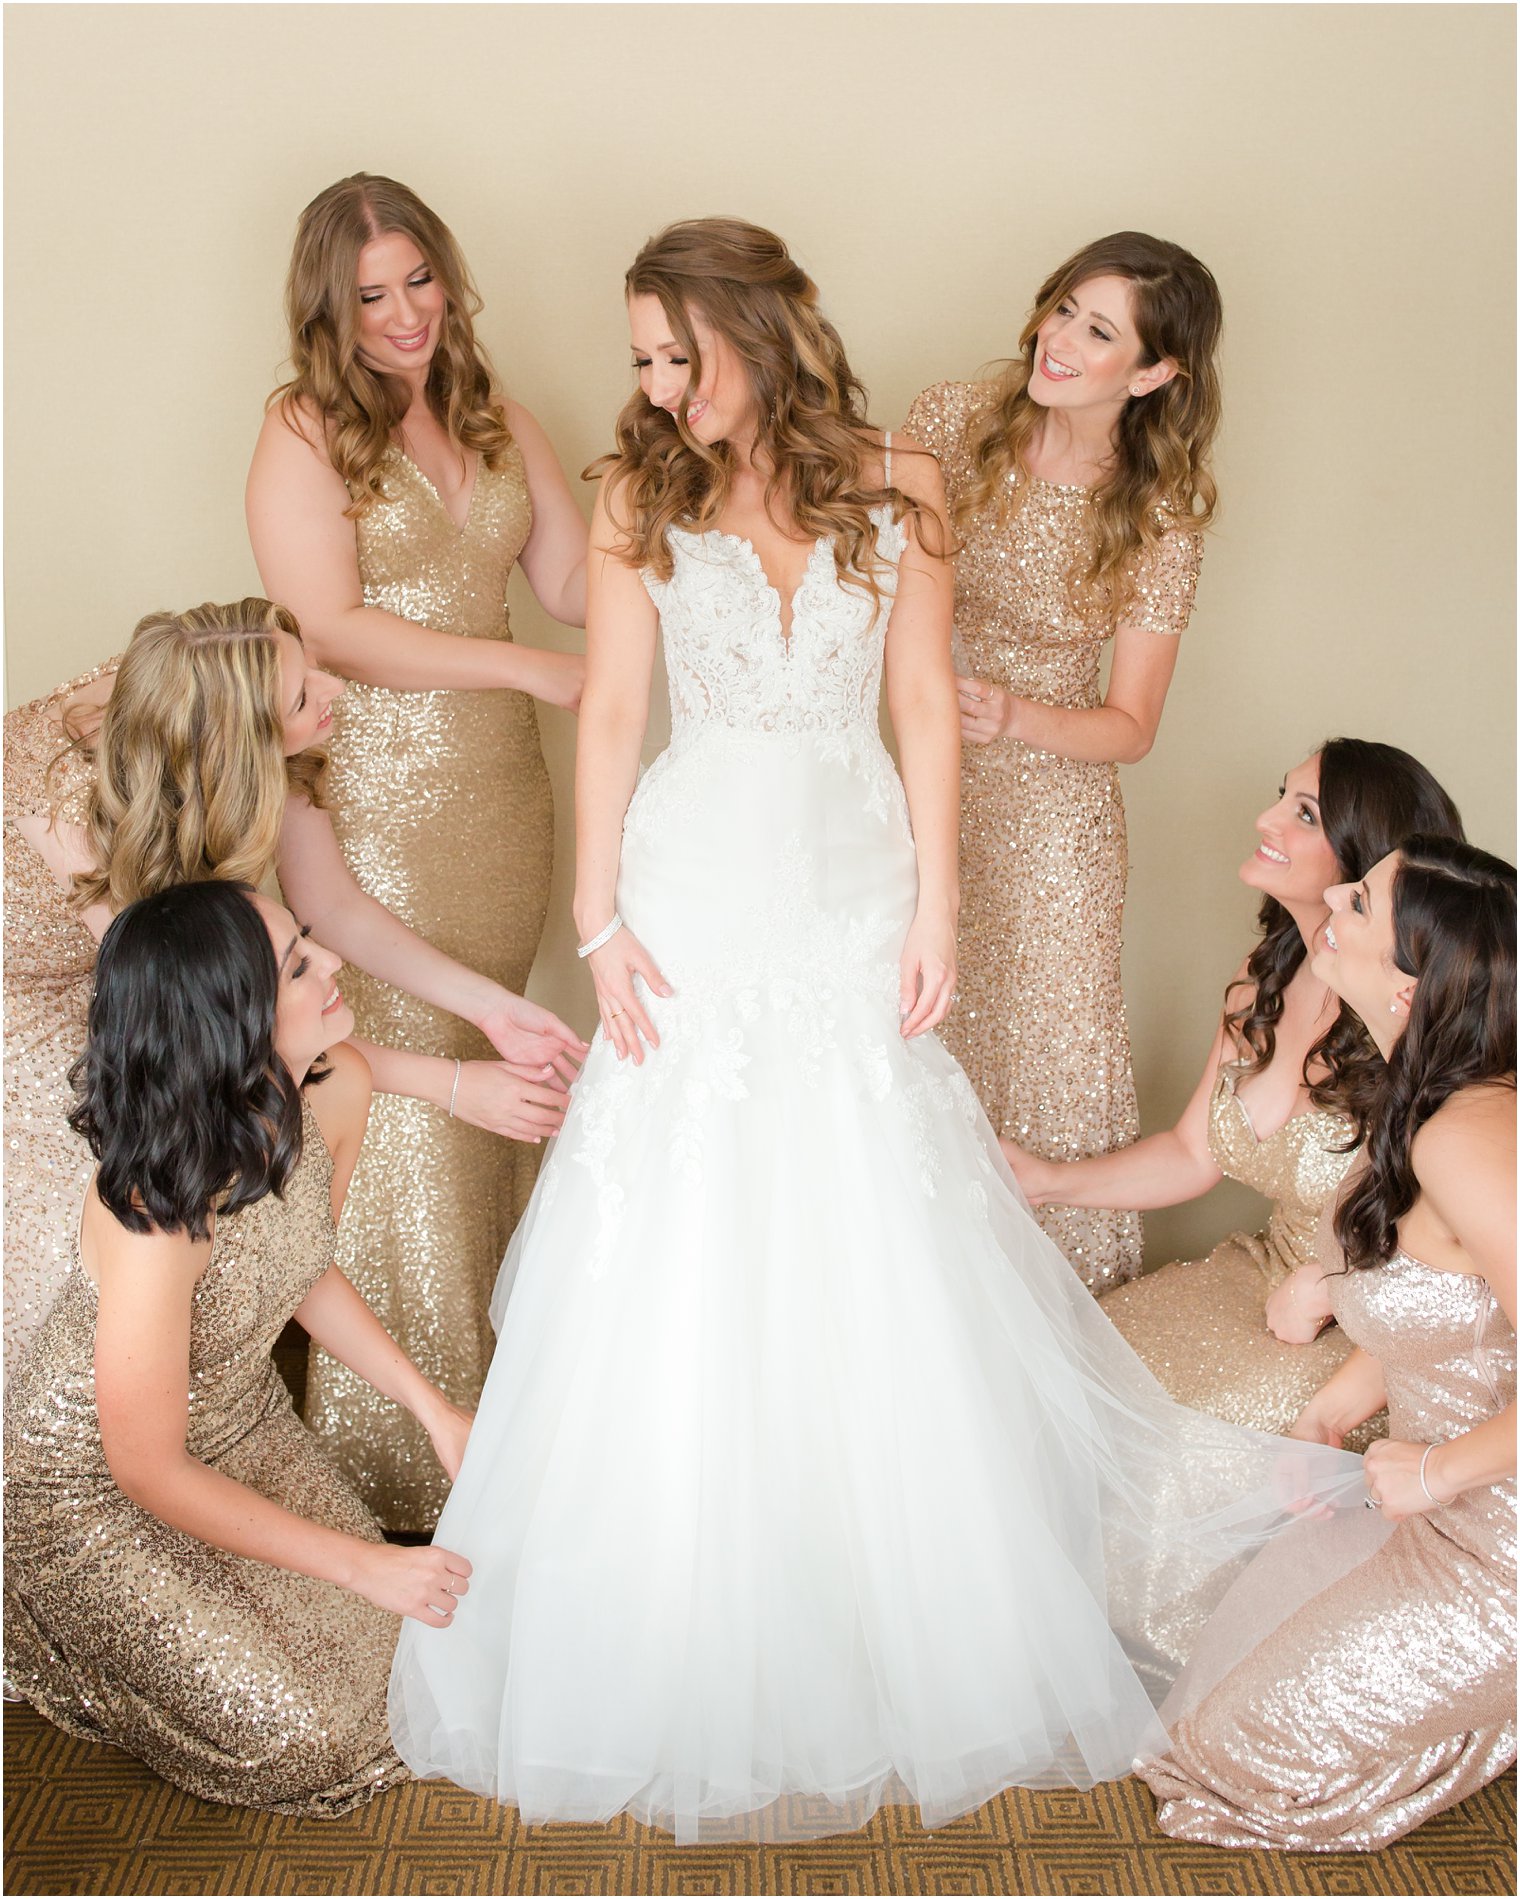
1262	1140
790	602
432	488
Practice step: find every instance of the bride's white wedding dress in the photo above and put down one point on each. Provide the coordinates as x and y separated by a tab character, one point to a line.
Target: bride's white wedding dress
807	1475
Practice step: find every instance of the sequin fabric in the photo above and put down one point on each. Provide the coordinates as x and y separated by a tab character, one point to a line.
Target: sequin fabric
49	972
1390	1694
239	1681
441	802
1039	1026
1199	1324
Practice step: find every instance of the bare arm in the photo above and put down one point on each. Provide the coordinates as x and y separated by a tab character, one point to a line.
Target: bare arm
554	556
308	559
1121	730
1348	1398
921	702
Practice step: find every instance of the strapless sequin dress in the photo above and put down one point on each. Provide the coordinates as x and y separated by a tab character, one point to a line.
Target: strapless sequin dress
441	802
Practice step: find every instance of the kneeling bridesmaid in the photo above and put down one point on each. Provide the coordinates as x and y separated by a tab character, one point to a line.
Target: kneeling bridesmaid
188	1576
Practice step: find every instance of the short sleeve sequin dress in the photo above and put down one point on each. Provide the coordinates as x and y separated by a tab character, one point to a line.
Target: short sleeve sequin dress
48	974
1039	1026
242	1682
1199	1324
1389	1695
442	805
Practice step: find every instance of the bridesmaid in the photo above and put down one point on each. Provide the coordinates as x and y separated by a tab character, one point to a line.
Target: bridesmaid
1079	484
1389	1695
198	753
187	1576
1290	1068
393	487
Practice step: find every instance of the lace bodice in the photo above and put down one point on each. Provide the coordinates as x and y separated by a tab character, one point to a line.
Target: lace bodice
727	658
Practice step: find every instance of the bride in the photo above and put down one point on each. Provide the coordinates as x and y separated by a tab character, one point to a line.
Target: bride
807	1475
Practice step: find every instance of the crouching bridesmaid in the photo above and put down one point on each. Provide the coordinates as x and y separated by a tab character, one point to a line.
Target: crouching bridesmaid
188	1576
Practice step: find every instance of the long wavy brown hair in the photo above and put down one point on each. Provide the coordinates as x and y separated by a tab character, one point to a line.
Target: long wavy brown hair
743	283
190	776
1454	932
1371	797
359	406
1160	474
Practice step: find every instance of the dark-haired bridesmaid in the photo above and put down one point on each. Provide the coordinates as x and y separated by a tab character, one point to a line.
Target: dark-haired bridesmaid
1389	1694
187	1575
394	487
1079	485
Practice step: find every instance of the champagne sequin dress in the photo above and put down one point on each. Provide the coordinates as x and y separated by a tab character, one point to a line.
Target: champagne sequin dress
239	1681
441	803
1390	1694
48	974
1040	1025
1199	1324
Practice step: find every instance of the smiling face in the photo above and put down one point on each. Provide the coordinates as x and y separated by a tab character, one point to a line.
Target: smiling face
401	306
310	1014
1088	352
723	408
306	698
1356	953
1294	861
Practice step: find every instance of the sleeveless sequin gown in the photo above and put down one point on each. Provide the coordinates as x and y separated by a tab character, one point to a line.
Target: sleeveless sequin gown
242	1682
1199	1324
1040	1025
442	805
1388	1695
807	1474
49	971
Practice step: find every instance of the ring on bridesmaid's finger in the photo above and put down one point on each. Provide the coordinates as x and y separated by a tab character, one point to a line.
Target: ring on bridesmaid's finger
1372	1503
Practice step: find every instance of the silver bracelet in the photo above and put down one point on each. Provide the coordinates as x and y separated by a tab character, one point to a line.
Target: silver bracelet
454	1091
1430	1495
602	936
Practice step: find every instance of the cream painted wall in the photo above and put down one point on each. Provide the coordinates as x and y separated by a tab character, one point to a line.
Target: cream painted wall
1347	172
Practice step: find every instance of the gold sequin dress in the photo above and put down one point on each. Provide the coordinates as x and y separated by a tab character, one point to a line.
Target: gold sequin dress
1199	1324
49	972
242	1682
1390	1694
1040	1025
441	802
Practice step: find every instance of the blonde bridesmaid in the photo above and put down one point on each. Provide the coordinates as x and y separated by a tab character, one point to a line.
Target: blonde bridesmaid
1079	484
1275	1108
393	489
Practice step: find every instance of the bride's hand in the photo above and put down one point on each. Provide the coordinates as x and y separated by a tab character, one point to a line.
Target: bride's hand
613	968
927	973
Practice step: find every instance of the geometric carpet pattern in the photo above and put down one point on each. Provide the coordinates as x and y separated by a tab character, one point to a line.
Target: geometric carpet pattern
86	1819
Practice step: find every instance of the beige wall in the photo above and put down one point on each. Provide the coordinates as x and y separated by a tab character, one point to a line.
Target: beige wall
1346	171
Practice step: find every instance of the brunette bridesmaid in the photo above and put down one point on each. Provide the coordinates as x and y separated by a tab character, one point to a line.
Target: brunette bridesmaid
1079	484
1387	1695
393	488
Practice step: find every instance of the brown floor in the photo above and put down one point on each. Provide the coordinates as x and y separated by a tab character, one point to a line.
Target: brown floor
85	1819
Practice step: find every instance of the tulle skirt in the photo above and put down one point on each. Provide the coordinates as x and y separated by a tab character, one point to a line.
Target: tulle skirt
808	1475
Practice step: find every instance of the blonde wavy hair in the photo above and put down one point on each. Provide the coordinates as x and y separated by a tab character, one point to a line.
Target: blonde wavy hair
1160	477
190	777
360	406
742	282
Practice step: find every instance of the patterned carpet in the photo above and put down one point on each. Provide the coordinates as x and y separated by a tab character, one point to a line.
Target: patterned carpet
83	1819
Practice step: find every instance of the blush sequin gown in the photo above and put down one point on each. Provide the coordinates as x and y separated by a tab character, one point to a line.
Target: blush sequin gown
1040	1025
1199	1324
442	805
807	1475
1389	1694
49	971
242	1682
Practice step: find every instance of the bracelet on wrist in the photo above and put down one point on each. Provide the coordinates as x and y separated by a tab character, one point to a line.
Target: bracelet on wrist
454	1091
593	943
1430	1495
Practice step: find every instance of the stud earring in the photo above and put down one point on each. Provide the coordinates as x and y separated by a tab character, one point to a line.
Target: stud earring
1136	392
1393	1007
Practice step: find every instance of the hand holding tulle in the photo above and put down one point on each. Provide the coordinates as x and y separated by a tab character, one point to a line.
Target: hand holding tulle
1393	1479
424	1583
448	1428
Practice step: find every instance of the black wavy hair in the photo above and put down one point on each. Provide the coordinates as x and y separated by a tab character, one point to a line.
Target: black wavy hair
180	1093
1371	797
1454	932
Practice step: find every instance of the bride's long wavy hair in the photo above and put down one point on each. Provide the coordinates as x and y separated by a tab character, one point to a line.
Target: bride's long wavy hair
359	407
743	283
1160	475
